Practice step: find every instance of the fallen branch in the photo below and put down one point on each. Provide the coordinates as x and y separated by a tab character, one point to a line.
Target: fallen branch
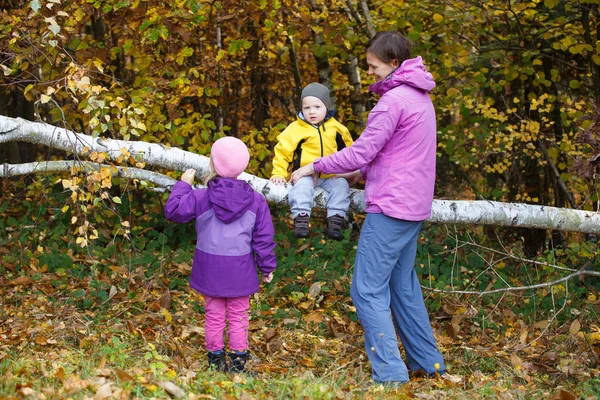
479	212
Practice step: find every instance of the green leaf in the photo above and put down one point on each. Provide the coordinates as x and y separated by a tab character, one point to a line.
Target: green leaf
551	3
79	293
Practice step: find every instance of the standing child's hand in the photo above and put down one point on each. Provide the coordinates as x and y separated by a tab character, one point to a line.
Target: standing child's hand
268	278
188	176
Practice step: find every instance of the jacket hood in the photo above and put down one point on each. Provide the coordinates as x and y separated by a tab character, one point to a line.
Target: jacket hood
411	72
230	198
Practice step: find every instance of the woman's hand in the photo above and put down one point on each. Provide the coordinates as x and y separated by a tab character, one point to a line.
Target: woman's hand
307	170
268	278
352	177
188	176
278	180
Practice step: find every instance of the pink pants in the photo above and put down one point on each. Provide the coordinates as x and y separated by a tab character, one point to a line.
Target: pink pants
220	309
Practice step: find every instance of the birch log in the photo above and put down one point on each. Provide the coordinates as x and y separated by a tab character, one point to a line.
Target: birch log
479	212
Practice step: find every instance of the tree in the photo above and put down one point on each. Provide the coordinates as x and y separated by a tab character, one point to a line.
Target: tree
147	154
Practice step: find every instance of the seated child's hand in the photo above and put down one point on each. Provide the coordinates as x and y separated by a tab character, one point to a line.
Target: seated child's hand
188	176
278	180
268	278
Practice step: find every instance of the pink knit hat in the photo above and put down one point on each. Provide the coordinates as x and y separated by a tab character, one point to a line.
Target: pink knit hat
230	157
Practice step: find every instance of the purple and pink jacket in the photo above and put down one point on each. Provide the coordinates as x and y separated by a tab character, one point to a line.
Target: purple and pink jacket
235	234
396	151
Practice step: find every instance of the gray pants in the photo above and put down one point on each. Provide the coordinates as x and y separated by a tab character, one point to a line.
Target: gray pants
337	192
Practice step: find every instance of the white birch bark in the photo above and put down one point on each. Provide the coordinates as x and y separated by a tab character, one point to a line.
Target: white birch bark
480	212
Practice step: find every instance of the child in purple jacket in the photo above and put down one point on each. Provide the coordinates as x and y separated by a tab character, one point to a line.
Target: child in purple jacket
234	235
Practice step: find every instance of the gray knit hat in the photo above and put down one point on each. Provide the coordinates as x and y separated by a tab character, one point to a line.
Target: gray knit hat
319	91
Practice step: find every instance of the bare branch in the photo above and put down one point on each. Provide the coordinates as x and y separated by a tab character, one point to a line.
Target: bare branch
518	288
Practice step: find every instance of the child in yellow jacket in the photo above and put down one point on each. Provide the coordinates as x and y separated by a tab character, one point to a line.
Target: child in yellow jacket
315	133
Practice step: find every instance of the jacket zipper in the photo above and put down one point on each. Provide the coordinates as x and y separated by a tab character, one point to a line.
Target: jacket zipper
320	139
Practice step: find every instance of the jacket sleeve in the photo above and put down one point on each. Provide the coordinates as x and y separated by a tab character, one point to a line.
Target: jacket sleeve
381	126
181	205
346	136
263	243
284	153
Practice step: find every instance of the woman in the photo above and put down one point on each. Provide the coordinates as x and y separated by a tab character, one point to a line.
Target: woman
395	155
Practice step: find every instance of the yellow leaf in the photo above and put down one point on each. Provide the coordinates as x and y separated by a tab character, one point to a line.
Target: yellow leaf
73	220
437	18
452	92
45	98
166	314
98	65
65	209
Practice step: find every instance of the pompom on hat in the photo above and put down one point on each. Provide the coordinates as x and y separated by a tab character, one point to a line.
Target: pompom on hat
229	156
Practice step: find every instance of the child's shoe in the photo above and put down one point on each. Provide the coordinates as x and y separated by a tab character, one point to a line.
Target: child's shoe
217	361
238	361
301	225
335	224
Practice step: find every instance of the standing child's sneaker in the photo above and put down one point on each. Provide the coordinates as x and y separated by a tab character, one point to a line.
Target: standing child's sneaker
335	224
238	361
301	225
217	361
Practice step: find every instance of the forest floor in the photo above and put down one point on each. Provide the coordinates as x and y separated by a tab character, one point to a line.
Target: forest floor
117	322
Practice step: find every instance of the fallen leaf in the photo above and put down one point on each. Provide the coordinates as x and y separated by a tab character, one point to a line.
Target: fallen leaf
60	374
26	391
165	300
103	392
172	389
302	248
564	395
22	280
123	376
307	362
574	328
270	334
111	292
516	361
315	317
314	290
452	378
523	336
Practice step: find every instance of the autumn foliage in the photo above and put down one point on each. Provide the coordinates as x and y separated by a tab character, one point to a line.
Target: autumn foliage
89	264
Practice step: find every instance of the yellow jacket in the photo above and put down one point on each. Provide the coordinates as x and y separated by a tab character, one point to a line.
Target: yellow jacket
301	143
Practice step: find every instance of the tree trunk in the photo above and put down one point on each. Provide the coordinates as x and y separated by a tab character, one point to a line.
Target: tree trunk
443	211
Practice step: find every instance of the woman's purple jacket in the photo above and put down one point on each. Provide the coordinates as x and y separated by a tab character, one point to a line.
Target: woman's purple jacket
396	151
235	234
